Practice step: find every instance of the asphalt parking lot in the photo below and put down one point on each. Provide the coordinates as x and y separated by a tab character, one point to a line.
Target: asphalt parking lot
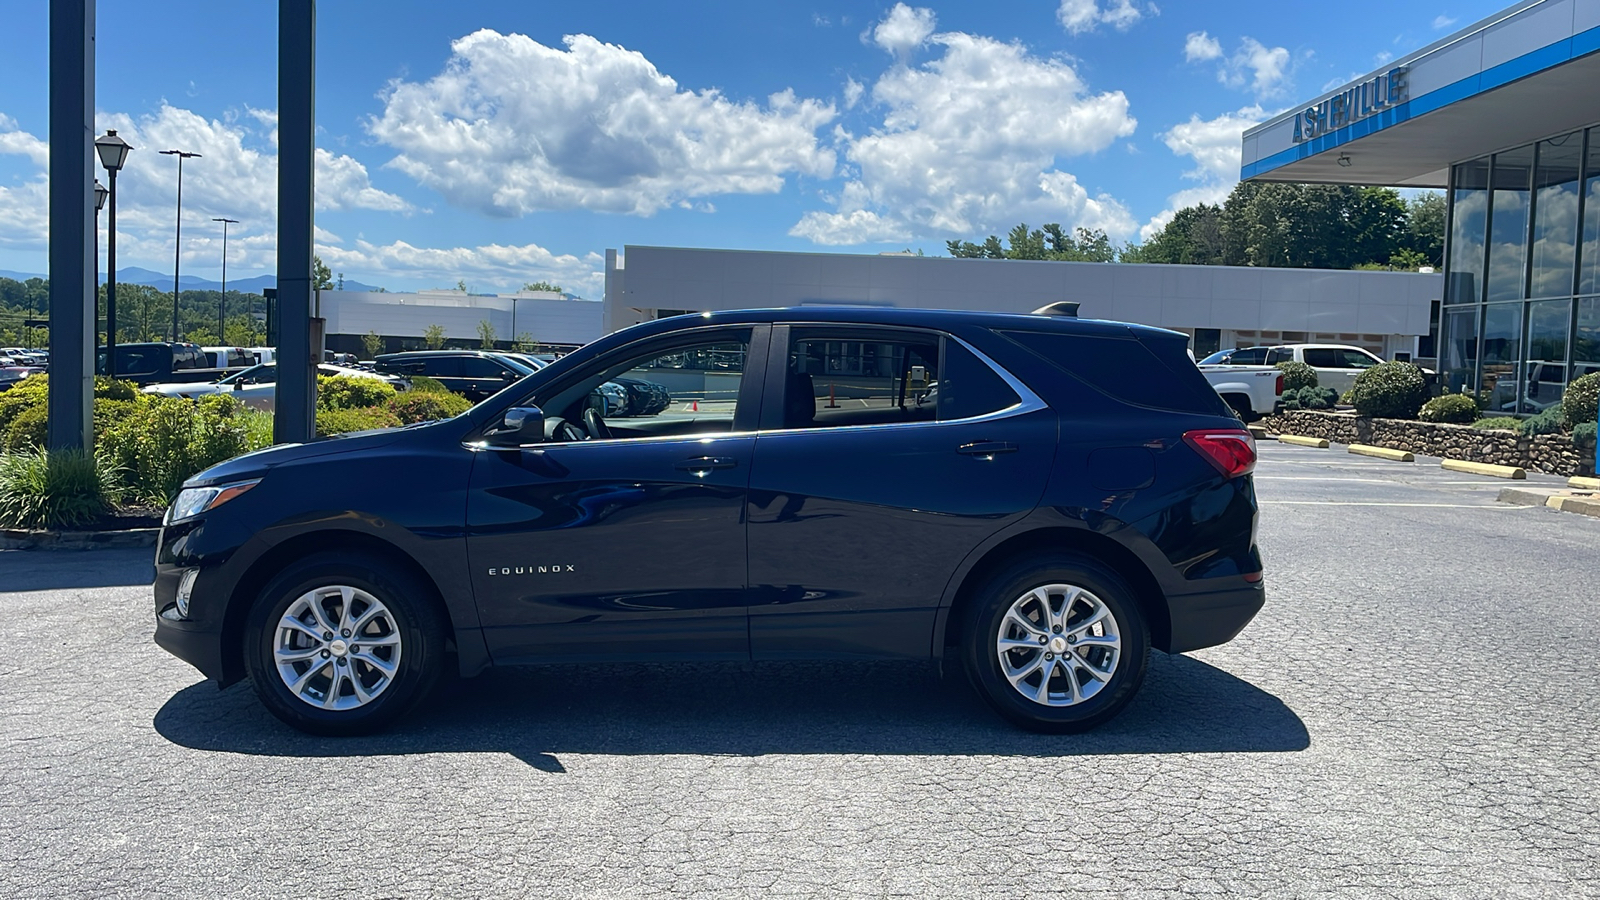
1414	714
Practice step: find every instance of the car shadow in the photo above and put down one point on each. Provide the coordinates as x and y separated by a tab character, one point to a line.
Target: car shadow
539	713
48	570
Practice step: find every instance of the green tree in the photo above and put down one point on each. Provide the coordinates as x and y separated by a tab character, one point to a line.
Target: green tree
321	276
524	343
433	335
542	286
1425	227
371	343
486	335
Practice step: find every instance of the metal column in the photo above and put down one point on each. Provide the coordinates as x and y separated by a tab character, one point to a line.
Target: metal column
293	419
73	265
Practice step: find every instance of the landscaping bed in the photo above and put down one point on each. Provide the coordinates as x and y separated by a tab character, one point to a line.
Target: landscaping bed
1554	454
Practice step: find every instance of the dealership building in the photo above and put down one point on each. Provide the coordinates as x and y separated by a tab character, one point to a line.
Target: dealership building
1504	116
1217	306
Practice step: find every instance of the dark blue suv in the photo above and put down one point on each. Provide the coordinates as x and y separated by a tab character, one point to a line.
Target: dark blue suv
1040	498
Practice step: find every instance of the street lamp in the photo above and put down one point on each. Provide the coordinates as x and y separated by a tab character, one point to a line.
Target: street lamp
113	153
177	234
222	302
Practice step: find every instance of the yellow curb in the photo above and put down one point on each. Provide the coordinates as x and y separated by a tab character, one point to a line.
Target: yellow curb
1258	432
1383	453
1554	502
1478	468
1299	441
1588	484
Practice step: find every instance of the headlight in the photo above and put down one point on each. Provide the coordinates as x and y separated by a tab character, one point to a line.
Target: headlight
192	502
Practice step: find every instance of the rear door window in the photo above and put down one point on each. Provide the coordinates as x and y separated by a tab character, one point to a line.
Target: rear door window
1250	356
480	367
1324	358
969	388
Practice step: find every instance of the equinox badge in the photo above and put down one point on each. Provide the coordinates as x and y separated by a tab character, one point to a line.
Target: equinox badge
531	570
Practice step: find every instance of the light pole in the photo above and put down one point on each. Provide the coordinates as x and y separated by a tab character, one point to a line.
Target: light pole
113	153
100	193
177	234
222	302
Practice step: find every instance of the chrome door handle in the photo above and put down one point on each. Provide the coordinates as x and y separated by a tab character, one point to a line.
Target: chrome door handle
702	464
987	449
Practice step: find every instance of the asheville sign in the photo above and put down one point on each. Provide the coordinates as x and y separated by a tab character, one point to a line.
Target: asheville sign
1353	104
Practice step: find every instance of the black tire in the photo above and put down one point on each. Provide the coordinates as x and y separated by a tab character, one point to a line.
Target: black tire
1241	408
1126	669
409	613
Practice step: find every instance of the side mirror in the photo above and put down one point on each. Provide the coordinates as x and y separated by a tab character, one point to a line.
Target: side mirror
519	427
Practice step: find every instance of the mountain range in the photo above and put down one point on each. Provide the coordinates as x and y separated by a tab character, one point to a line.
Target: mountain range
136	275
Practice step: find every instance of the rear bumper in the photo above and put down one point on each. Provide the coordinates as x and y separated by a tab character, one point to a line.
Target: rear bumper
1214	616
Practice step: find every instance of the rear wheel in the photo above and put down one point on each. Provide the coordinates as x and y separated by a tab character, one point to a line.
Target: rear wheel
1056	643
342	645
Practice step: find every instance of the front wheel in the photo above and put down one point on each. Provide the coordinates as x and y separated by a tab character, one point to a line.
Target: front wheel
1056	644
342	645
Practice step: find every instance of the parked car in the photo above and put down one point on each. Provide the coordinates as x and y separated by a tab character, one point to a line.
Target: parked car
163	363
1337	365
645	398
474	374
228	357
19	356
1076	495
256	387
11	376
1252	391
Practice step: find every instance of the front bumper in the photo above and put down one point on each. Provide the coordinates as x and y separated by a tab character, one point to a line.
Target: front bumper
1213	616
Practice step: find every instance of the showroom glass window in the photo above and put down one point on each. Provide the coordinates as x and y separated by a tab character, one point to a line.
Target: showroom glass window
1502	351
1555	216
1458	349
1545	376
1589	264
1508	224
1469	198
1586	339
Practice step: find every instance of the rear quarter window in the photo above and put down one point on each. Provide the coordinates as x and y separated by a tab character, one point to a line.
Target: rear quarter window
1126	369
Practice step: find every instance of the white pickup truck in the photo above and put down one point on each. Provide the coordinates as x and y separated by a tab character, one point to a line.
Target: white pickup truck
1252	391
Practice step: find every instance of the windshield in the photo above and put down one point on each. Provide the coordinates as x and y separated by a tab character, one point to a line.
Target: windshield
524	365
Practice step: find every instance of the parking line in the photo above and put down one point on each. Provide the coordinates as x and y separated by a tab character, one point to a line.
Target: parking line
1390	503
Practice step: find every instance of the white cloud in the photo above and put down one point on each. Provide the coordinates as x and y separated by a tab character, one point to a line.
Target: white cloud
903	29
15	140
1200	47
852	92
1442	22
969	144
1215	146
511	126
236	176
1078	16
491	266
1265	70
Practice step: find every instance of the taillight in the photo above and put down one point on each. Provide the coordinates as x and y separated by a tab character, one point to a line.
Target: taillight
1232	451
1279	388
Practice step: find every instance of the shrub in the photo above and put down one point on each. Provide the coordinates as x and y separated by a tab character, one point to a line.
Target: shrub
343	421
1548	421
165	440
1312	397
114	389
349	392
426	385
55	490
1391	390
1580	400
257	425
29	429
1583	434
1297	375
411	406
1456	408
1502	423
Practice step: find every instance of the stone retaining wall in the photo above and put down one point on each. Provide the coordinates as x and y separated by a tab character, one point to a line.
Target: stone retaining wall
1554	454
77	540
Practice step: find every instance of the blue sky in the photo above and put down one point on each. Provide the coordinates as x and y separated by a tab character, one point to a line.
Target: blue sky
499	142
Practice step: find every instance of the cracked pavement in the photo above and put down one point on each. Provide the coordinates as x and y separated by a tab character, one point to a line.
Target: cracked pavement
1414	714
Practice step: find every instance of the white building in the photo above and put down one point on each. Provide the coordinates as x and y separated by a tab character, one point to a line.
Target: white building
547	318
1217	306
